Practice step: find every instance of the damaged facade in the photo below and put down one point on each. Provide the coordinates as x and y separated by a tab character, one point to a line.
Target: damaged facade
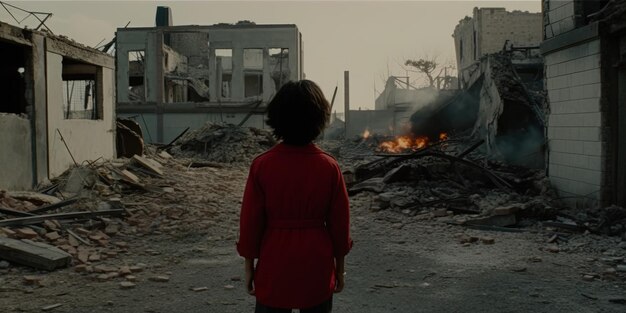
489	31
584	48
400	99
58	107
501	78
173	77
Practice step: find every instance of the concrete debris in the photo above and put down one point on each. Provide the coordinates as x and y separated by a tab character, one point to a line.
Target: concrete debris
51	307
58	238
34	198
160	278
35	254
447	177
127	285
224	143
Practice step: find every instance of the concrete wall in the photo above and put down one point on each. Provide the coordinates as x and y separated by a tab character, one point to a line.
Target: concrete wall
125	43
577	147
16	168
198	44
492	27
87	139
498	26
559	16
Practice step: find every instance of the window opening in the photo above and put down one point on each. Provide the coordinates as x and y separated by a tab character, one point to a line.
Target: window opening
253	72
81	90
224	62
279	63
136	87
13	79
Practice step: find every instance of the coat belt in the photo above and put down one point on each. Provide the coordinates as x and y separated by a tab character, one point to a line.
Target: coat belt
295	223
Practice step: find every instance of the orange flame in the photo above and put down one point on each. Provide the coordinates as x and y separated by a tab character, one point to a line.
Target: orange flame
403	143
443	136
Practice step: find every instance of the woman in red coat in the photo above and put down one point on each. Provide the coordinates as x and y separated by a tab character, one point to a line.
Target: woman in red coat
295	212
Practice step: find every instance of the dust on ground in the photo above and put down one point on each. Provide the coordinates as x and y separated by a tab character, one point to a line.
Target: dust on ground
181	248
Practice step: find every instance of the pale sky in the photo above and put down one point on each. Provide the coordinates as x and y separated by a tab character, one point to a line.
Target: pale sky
368	38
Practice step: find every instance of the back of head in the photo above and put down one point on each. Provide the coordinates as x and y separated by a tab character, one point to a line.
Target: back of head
298	112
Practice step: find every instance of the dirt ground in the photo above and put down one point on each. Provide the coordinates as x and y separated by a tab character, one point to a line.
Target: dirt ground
399	263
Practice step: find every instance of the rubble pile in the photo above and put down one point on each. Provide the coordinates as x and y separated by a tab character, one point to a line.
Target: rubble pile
224	143
454	179
448	178
86	217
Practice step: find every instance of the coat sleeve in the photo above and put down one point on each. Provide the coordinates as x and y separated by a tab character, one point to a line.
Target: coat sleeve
339	217
252	218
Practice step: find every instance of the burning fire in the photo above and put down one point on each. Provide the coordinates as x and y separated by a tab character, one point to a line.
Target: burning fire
403	143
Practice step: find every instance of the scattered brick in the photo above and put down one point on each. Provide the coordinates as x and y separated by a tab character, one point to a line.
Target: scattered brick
160	278
26	233
487	240
52	236
127	285
125	270
32	280
198	289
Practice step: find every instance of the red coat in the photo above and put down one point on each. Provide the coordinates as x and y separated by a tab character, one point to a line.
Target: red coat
295	219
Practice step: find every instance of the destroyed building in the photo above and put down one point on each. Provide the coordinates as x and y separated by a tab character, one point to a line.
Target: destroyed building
57	108
584	50
500	99
397	102
173	77
489	30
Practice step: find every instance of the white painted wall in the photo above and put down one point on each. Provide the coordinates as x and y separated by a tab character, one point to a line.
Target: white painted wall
15	153
87	139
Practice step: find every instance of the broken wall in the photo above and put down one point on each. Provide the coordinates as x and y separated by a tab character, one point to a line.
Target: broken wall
488	31
229	84
509	118
88	139
16	157
199	44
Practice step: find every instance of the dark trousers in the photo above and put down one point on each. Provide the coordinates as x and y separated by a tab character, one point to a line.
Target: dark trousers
324	307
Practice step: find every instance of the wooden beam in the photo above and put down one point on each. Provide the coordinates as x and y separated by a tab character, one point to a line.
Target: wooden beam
53	206
37	219
14	212
148	164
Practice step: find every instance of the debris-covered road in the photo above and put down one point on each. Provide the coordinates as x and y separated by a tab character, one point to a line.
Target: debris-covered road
184	260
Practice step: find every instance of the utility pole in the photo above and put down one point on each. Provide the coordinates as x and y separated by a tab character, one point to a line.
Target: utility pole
346	98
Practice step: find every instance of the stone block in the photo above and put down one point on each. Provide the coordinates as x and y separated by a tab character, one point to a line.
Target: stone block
508	210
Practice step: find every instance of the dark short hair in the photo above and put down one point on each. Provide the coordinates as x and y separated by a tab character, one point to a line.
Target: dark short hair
298	112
